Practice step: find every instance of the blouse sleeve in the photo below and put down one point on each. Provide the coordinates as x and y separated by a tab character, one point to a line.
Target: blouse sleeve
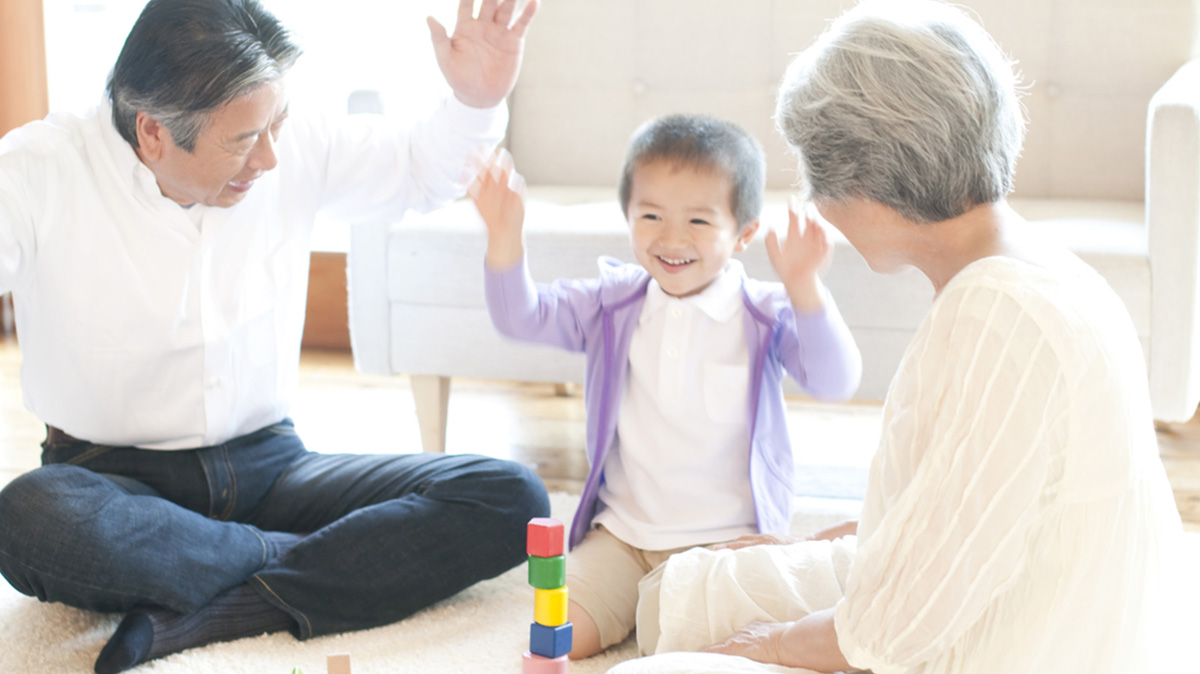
973	441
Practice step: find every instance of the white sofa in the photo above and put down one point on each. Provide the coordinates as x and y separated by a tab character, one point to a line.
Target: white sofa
1111	168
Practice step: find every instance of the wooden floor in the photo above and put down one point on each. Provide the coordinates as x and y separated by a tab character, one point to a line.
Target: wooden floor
341	410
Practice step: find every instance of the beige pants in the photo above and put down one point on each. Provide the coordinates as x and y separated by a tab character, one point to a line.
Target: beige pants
602	577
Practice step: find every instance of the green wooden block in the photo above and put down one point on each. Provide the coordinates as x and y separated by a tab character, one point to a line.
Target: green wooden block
296	670
548	573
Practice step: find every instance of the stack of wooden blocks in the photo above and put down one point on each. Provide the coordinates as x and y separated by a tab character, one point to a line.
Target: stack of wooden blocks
550	633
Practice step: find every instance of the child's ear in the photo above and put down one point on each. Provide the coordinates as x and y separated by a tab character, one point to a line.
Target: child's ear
746	235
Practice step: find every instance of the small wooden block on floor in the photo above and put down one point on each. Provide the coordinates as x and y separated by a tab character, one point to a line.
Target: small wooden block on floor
338	663
536	664
550	642
544	537
550	606
547	573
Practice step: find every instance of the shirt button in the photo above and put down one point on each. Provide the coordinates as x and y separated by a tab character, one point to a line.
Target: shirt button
676	312
214	382
673	352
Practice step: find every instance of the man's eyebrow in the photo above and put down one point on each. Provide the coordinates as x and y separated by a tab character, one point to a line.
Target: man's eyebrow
257	132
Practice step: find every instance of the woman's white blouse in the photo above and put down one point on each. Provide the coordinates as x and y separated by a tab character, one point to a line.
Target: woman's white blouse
1018	517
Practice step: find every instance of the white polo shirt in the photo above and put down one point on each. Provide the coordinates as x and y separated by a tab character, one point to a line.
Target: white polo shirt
143	323
678	473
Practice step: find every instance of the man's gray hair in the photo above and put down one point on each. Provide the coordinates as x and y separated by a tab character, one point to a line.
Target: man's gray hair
184	59
907	103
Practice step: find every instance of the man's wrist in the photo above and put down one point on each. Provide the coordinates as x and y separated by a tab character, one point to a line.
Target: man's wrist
477	103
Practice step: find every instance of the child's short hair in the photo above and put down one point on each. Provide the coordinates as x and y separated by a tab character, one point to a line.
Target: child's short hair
702	142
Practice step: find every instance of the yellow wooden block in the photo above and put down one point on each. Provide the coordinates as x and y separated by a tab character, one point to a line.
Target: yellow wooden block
550	606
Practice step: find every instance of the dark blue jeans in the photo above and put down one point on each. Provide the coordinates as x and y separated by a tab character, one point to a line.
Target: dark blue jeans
115	528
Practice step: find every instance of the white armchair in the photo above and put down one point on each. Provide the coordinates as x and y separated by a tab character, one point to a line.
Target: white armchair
1173	225
1110	168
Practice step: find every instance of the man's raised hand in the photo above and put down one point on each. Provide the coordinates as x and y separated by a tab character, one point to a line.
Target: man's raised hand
481	60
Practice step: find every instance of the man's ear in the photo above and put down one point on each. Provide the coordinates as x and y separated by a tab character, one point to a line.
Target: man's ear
746	235
152	136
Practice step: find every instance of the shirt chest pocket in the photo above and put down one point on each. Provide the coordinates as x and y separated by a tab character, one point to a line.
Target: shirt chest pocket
724	388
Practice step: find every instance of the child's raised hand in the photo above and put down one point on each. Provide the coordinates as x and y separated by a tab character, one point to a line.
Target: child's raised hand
499	196
800	259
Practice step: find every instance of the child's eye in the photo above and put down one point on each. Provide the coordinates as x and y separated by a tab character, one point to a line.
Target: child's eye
649	216
699	221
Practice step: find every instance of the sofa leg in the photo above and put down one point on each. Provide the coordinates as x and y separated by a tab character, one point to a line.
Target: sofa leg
432	396
564	389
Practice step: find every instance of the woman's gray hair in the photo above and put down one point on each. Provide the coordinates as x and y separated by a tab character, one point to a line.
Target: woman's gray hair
907	103
183	59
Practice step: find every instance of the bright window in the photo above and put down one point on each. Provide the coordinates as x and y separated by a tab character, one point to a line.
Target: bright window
349	45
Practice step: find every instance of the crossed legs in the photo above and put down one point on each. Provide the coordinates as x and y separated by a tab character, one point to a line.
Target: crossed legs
331	542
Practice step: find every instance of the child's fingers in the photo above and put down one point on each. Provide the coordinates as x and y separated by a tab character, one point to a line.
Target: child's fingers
505	160
516	183
774	254
475	188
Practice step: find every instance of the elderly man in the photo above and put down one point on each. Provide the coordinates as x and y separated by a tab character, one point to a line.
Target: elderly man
158	250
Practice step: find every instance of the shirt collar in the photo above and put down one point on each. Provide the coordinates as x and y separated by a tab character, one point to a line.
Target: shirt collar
720	301
125	157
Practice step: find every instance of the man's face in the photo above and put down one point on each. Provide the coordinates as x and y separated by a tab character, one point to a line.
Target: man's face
234	148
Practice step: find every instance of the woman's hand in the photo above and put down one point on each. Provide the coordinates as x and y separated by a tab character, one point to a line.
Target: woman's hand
810	642
847	528
800	259
750	540
499	195
758	641
481	60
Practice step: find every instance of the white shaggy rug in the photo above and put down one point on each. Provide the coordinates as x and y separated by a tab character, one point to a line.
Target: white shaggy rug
482	630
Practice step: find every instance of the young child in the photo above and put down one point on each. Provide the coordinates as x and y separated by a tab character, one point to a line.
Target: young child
686	431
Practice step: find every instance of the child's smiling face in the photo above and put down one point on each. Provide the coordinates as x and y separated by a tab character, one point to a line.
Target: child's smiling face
682	225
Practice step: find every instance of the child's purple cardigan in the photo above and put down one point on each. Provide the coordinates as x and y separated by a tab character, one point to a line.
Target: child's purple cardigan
598	316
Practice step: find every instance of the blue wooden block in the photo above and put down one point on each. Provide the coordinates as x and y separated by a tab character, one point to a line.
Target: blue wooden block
550	642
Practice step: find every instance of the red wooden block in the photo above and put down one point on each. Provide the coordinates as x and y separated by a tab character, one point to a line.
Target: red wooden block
536	664
544	537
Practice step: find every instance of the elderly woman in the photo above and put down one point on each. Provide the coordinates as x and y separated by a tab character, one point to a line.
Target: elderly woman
1017	516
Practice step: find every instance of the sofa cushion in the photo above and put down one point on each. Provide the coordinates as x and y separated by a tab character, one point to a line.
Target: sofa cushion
439	319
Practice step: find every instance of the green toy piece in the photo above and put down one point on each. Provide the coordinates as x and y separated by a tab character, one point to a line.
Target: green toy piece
548	573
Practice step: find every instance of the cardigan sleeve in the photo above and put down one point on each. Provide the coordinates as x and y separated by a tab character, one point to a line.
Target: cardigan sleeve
556	314
819	353
974	440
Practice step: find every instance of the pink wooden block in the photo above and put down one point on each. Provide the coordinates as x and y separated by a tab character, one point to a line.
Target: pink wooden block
536	664
544	537
338	663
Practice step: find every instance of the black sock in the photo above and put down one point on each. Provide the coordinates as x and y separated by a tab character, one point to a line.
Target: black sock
152	633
